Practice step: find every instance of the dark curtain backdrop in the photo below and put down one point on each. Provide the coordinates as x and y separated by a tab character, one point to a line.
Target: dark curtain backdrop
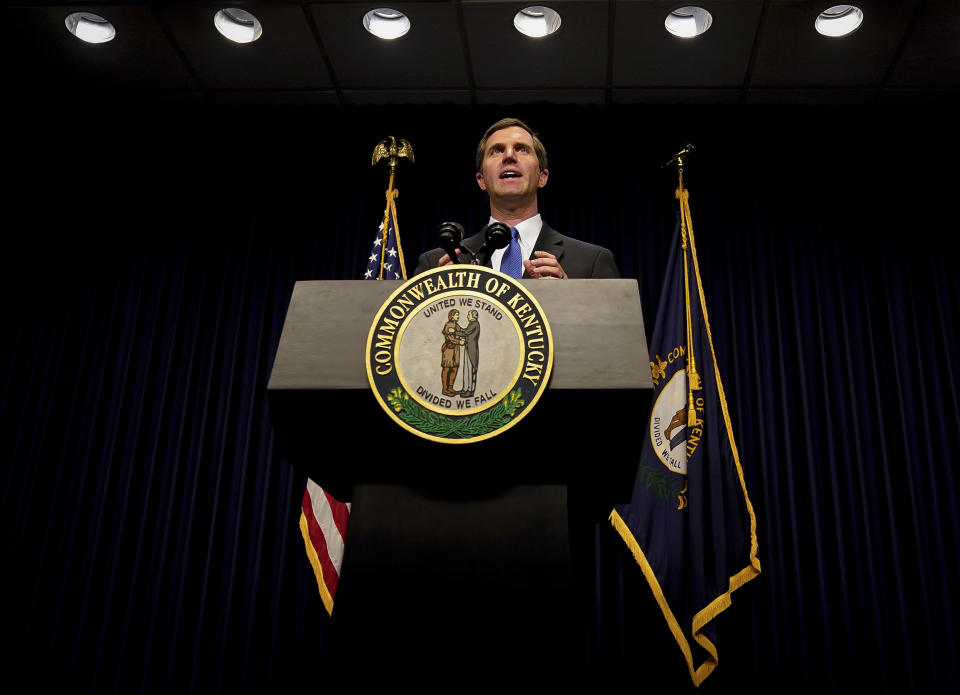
149	526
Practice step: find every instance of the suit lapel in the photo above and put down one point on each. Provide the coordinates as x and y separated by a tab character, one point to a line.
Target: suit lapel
549	241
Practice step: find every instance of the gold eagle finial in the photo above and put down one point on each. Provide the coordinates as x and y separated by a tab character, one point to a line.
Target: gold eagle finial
382	151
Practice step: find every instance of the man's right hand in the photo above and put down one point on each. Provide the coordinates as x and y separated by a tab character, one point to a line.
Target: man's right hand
445	259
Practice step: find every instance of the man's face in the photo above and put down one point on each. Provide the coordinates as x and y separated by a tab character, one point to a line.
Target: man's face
510	171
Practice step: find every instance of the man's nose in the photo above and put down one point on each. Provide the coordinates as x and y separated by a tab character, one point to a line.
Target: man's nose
510	154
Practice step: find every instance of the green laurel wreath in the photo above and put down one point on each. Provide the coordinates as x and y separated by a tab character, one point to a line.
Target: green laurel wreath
439	425
661	484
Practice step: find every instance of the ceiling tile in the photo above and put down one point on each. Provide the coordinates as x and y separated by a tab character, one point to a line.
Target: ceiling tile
286	56
503	58
932	55
647	55
140	58
430	56
791	52
756	52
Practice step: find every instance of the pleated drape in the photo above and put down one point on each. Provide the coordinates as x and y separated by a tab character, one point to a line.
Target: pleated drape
150	539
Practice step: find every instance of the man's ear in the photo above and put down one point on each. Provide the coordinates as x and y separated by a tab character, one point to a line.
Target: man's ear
543	178
480	182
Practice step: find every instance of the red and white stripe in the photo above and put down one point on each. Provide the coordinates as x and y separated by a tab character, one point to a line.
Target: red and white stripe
323	523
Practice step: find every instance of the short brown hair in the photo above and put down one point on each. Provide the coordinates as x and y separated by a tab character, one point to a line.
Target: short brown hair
511	123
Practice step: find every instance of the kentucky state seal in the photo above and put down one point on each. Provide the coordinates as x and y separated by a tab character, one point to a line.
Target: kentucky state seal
459	354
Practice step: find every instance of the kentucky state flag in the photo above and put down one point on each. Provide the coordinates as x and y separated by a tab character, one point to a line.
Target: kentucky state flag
690	524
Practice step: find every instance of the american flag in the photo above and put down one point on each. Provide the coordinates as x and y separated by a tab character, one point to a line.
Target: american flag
386	257
323	518
323	523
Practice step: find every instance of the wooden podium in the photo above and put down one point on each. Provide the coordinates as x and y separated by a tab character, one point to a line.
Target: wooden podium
458	557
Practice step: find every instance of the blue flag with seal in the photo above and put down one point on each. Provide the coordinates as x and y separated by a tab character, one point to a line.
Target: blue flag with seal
690	524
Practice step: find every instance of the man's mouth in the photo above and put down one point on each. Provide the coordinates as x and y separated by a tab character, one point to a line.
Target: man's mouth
510	175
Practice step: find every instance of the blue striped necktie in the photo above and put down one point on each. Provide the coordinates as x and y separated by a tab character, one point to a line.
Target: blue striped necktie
512	261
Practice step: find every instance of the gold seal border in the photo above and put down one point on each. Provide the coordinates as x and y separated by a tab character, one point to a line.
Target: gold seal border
545	378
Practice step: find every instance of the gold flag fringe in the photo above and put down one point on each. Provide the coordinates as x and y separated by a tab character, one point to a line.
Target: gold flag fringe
315	563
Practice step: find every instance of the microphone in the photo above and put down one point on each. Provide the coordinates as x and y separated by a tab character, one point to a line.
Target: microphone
496	236
451	234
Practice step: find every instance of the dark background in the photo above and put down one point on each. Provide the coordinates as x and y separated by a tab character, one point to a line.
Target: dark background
150	531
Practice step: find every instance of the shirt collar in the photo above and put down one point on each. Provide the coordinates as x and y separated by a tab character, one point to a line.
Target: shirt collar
529	230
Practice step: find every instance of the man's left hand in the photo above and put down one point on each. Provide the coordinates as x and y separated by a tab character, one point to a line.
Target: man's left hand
544	266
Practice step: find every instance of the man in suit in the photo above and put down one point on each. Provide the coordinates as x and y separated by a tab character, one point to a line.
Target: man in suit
511	169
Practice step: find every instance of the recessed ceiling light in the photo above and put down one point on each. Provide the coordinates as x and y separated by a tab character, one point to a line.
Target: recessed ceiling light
237	25
536	21
386	23
90	27
839	20
687	22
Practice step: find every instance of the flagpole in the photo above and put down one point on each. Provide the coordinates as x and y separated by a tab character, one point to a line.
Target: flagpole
686	230
385	227
392	153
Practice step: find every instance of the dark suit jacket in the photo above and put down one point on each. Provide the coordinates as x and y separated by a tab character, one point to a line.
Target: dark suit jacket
578	259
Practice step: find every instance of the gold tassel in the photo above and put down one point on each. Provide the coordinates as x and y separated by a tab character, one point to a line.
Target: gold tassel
693	378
